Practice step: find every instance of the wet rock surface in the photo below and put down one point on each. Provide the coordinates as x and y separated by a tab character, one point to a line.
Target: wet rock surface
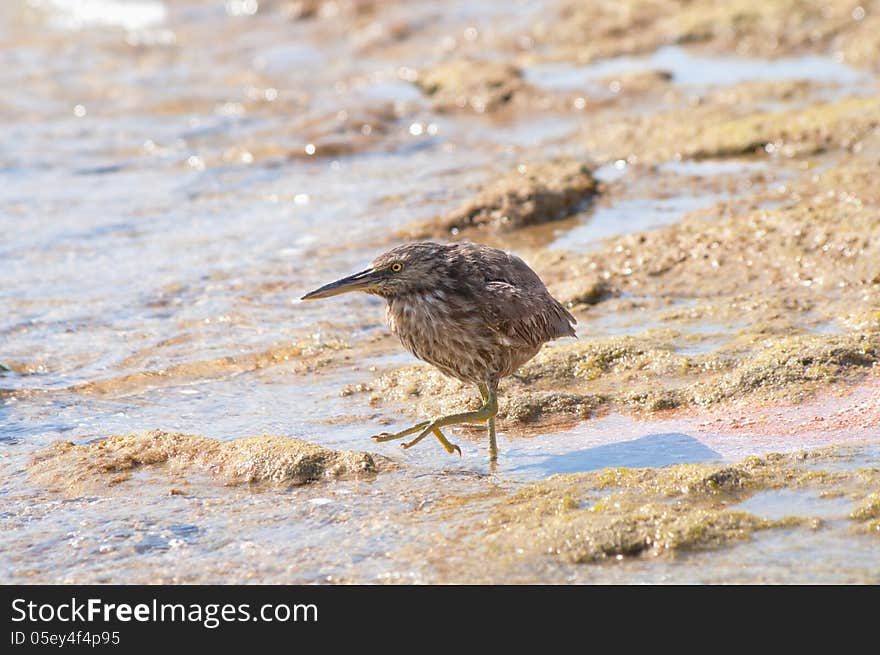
574	381
769	29
113	461
478	86
531	194
715	130
621	513
868	514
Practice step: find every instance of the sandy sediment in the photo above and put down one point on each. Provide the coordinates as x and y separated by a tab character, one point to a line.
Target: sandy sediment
122	460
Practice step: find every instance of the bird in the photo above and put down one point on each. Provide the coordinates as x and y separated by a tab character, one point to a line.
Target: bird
474	312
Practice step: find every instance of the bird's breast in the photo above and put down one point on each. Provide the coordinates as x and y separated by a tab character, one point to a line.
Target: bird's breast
421	319
434	328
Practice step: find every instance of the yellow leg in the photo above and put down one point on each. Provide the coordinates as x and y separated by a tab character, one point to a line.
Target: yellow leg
490	424
388	436
486	413
449	447
493	444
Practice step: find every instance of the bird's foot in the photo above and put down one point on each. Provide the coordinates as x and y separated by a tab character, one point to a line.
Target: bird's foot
425	428
449	447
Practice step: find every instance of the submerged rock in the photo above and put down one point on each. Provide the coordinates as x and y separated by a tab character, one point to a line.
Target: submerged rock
22	368
251	460
531	194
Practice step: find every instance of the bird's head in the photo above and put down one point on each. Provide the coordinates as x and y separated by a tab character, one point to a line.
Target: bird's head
400	271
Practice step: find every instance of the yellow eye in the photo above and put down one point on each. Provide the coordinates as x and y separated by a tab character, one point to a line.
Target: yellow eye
396	267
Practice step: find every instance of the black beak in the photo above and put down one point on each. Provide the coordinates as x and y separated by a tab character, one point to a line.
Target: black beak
357	282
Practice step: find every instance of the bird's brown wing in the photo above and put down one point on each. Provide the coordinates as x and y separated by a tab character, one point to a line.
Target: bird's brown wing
525	315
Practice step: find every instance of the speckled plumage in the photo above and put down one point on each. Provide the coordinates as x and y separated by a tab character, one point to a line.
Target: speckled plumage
476	313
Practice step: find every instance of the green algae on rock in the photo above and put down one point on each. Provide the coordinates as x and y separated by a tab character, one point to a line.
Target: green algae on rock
793	367
251	460
867	514
869	508
646	373
621	513
530	194
571	381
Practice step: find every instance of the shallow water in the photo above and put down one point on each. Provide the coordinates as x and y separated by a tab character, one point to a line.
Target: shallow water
778	504
173	177
692	70
628	216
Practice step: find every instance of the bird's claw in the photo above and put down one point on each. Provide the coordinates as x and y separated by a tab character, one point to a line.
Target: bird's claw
426	428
